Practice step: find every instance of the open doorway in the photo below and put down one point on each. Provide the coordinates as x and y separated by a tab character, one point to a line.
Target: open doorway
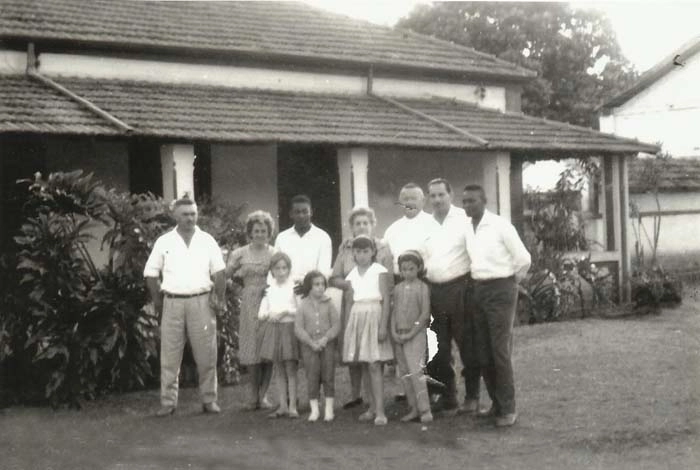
310	170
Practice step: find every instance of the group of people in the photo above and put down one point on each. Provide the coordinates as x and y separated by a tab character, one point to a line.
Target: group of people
458	266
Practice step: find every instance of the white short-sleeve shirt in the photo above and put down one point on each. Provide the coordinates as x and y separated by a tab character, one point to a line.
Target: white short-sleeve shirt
366	286
279	298
186	269
409	234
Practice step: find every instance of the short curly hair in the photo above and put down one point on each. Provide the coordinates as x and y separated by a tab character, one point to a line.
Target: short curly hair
366	211
259	217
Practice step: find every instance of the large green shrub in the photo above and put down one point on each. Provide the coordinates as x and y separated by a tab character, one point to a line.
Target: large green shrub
72	330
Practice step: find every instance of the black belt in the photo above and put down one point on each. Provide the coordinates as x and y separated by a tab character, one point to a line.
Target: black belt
495	279
462	278
183	296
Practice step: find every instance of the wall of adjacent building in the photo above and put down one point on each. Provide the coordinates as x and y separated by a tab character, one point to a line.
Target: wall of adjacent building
667	112
680	219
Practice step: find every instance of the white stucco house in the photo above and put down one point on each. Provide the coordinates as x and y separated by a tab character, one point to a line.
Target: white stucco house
257	101
663	106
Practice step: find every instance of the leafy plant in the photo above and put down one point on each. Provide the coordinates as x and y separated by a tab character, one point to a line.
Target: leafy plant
72	330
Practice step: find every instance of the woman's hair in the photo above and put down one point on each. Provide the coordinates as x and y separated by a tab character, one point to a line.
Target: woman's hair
262	218
361	242
309	279
412	256
366	211
280	256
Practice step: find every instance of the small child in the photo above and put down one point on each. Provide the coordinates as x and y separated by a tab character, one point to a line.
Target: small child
409	321
366	338
317	325
277	341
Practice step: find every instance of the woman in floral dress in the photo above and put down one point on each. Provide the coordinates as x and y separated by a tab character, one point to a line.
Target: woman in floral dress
250	264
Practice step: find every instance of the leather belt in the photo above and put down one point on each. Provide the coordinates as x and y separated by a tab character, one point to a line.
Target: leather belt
183	296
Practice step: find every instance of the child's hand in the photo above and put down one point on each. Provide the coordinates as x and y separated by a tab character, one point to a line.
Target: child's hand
322	342
382	333
316	346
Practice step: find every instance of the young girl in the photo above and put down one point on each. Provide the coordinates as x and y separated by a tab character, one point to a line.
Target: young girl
317	325
366	334
409	321
277	341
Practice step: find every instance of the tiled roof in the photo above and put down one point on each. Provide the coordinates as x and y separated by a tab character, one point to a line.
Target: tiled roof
651	76
245	115
675	174
258	29
28	106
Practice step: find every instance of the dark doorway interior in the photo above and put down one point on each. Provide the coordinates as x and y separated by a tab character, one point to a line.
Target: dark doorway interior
144	167
310	170
21	155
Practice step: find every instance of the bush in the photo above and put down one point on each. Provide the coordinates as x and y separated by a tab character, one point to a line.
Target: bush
653	288
71	330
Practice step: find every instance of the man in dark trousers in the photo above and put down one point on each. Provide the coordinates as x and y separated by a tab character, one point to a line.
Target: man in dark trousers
447	264
498	261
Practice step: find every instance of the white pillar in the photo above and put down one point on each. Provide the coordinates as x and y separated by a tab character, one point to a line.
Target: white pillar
177	164
345	187
503	181
359	159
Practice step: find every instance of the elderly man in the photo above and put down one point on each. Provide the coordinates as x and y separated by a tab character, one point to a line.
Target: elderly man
307	246
498	261
448	266
191	264
411	231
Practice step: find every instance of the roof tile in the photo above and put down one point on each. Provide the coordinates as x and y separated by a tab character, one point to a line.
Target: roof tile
281	28
248	115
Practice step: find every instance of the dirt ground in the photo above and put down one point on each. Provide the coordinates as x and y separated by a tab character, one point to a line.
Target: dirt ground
592	394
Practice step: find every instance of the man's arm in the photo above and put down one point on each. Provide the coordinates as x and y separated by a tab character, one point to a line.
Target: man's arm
153	286
219	299
325	256
518	252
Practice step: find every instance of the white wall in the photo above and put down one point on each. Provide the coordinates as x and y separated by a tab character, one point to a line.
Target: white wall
390	169
263	78
668	112
679	233
12	62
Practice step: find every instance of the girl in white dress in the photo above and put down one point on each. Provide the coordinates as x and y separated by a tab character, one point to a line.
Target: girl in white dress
366	338
278	343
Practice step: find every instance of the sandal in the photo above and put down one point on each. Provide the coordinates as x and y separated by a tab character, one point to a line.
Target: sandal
366	416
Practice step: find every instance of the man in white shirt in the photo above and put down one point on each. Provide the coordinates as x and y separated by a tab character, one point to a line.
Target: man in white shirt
411	231
448	265
307	246
190	263
498	261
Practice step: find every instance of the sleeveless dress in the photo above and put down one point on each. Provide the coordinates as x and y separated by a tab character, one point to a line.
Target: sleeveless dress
252	268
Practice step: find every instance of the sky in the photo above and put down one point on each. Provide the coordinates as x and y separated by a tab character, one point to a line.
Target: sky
647	30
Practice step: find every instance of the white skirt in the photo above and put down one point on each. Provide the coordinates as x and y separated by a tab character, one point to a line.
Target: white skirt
361	340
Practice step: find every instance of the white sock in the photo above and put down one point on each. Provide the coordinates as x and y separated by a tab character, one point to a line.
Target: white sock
314	410
328	415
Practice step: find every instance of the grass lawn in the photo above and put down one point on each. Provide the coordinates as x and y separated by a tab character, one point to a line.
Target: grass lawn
601	394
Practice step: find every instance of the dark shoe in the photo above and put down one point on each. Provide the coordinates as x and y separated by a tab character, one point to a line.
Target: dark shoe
469	407
165	411
352	404
211	408
485	413
506	420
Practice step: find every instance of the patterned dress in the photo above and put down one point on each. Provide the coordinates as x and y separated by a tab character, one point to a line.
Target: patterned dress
252	267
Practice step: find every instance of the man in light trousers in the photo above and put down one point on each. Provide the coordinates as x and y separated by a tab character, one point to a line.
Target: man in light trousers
185	277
